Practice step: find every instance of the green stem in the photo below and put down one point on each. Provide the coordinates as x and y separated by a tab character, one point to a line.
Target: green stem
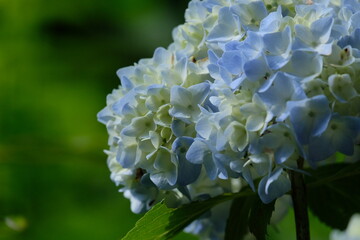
298	195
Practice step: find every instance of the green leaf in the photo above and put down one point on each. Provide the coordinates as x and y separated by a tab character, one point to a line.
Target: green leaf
334	193
162	222
260	217
248	214
237	223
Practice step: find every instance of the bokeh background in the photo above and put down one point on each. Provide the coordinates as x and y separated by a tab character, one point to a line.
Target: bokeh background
57	64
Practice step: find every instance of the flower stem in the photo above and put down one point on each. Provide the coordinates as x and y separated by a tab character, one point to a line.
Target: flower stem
299	199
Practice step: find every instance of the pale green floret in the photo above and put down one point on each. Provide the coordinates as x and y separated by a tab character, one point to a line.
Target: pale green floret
162	116
166	167
349	108
306	15
146	148
118	174
341	86
173	77
340	57
315	87
257	115
154	102
229	103
166	134
161	138
140	126
155	139
189	39
237	136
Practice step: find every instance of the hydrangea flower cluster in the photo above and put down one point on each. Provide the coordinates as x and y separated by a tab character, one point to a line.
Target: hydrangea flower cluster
246	88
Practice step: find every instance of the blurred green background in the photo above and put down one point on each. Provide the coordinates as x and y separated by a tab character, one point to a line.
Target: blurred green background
57	64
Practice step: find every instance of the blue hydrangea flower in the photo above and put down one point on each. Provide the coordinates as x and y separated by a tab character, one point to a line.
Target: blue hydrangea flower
279	90
274	186
340	136
185	101
309	117
316	38
245	90
228	27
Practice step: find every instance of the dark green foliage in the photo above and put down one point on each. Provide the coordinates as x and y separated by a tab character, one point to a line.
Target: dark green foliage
248	214
260	217
237	227
162	222
334	193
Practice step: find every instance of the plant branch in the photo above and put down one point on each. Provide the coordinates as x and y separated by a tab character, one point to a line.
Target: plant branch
299	198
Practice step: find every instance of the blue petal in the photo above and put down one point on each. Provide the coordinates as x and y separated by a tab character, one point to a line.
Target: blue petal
123	74
160	180
246	173
197	152
277	62
304	64
203	127
273	186
355	20
105	115
126	156
340	136
272	22
181	67
187	171
199	92
278	90
180	96
353	40
278	43
213	58
225	75
256	69
161	55
178	127
119	107
232	61
309	117
284	152
226	27
321	29
252	11
211	168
